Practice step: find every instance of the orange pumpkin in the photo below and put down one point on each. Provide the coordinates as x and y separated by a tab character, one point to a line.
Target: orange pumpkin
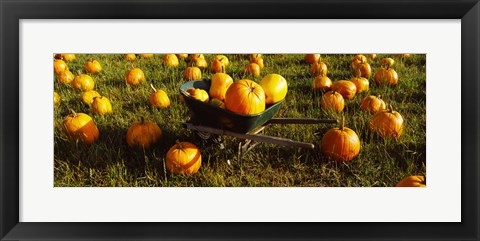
196	56
129	57
146	56
170	60
412	181
358	59
143	134
312	58
275	88
386	76
219	85
182	56
371	56
387	62
318	69
340	144
258	61
88	96
346	88
223	59
134	77
322	83
332	100
199	94
218	66
183	158
387	123
199	62
245	97
80	127
254	57
361	83
252	69
93	66
159	98
83	82
59	66
68	57
101	106
192	73
65	77
372	104
362	70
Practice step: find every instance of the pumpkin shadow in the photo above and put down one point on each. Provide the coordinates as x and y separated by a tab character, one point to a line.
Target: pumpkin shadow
111	148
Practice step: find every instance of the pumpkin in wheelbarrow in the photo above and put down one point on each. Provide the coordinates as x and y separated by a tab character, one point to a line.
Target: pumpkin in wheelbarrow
209	115
245	97
219	85
275	88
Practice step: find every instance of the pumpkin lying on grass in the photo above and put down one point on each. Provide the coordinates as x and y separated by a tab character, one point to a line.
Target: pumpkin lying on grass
80	127
340	144
183	158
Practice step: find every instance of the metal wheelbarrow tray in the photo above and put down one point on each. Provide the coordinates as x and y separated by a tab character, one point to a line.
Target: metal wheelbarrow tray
215	120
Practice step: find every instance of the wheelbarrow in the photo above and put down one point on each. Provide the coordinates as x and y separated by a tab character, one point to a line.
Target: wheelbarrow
207	119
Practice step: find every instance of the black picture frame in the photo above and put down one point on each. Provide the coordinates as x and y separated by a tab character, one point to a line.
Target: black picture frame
12	11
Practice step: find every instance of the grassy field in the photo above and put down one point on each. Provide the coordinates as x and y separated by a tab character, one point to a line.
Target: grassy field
110	162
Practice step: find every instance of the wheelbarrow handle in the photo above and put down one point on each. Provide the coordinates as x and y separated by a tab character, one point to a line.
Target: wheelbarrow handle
253	137
301	121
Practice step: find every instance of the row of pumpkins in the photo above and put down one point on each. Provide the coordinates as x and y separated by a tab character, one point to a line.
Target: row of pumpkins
225	93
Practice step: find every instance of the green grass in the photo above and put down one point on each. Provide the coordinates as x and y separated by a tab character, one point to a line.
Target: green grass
110	162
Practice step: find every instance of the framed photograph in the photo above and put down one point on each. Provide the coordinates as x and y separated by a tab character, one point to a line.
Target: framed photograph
181	120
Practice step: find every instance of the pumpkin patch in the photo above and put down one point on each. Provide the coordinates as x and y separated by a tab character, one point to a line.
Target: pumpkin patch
377	147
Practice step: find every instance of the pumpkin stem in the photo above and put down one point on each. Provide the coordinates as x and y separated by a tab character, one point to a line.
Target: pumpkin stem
73	112
91	60
178	144
223	68
142	120
79	72
391	108
342	123
154	90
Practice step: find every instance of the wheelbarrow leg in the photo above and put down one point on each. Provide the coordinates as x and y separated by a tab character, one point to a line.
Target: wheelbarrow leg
248	145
